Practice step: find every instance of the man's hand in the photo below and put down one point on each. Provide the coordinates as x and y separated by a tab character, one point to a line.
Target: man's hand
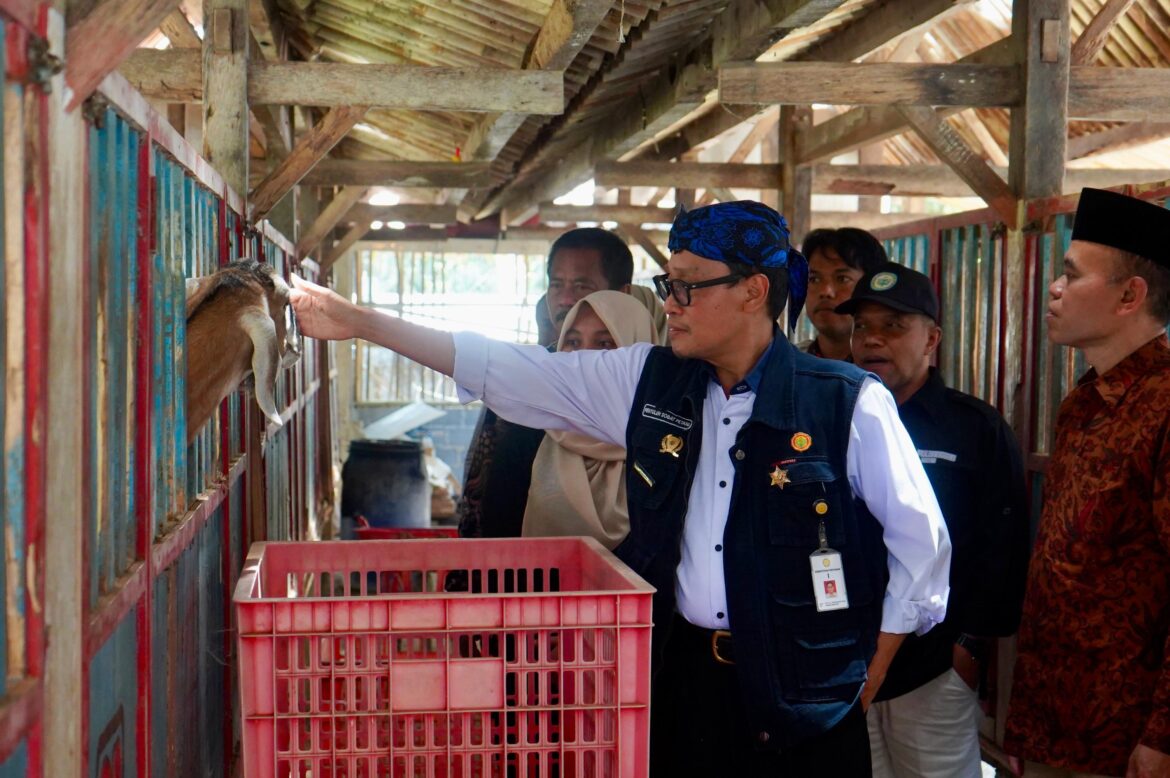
1145	762
887	646
322	313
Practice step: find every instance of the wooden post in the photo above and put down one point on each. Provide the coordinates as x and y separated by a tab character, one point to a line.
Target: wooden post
64	747
869	155
795	179
1036	154
225	85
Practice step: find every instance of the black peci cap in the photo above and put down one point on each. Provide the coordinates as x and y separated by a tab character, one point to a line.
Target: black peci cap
894	286
1124	223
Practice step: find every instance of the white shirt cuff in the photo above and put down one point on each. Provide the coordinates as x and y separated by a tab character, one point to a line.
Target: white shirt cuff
919	616
471	361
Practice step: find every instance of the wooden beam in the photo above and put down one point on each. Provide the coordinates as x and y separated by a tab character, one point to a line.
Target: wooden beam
623	214
886	83
1116	137
407	87
173	75
401	87
567	28
549	233
869	124
745	29
267	29
687	175
355	172
338	250
225	75
407	213
1102	94
95	46
876	28
309	149
944	141
865	221
795	178
895	19
1039	127
1096	34
337	209
636	234
942	181
179	30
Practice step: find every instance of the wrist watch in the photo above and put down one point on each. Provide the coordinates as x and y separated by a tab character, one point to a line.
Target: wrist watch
976	647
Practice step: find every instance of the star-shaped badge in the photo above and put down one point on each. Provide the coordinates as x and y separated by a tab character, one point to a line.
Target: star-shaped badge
779	478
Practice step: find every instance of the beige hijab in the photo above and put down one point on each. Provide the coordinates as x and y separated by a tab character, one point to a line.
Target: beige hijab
649	298
578	483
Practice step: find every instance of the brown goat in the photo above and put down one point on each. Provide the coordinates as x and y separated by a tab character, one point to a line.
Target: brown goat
239	321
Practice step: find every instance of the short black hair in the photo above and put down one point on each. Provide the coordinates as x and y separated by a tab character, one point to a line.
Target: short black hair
1157	278
617	263
857	248
777	283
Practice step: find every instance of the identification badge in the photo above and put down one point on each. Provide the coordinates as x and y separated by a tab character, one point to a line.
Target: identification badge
828	580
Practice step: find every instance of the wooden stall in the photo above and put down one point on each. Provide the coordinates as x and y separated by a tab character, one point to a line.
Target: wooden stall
160	528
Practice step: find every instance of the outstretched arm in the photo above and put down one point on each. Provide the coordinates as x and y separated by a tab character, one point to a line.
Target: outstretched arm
324	314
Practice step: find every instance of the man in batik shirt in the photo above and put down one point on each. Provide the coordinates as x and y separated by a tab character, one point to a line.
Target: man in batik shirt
1092	681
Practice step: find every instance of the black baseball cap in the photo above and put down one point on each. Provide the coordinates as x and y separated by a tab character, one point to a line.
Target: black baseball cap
894	286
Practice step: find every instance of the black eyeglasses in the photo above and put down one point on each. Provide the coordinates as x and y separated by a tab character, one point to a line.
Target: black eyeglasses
681	290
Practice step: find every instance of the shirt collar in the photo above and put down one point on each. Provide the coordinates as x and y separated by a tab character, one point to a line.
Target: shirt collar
1112	386
931	396
750	382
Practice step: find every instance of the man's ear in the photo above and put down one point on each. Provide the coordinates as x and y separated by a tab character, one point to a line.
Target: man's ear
1133	295
934	339
756	287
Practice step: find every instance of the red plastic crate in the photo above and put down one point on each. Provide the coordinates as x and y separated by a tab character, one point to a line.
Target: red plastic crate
365	531
449	658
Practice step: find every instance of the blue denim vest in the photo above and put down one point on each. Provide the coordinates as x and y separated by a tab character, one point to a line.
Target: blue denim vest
800	671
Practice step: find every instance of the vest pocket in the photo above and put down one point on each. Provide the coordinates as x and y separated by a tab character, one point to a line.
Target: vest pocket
810	496
829	665
654	474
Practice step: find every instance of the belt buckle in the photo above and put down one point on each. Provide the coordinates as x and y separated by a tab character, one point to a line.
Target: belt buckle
716	636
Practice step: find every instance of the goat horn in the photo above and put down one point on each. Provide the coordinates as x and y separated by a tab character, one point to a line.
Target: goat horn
265	359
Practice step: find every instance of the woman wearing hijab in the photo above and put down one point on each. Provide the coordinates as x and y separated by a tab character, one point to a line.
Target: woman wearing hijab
578	483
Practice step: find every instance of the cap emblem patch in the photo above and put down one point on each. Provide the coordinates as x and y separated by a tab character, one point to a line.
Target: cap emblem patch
883	282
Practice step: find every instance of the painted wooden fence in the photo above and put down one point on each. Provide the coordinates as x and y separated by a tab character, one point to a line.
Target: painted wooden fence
165	525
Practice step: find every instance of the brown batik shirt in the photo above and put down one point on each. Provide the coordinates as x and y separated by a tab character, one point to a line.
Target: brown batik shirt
1092	678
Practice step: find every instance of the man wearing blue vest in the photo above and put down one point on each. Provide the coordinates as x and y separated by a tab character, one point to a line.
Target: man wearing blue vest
775	500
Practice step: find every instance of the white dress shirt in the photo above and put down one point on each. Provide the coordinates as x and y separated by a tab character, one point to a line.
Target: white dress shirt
591	392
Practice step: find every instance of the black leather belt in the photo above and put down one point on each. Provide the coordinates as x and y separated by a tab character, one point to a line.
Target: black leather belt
717	643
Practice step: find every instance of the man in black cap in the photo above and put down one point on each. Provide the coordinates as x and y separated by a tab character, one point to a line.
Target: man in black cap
1091	691
775	500
924	722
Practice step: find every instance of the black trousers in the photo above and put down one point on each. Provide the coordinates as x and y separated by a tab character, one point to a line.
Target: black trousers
698	727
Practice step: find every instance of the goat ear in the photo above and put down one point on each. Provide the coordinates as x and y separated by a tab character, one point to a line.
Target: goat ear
265	358
197	291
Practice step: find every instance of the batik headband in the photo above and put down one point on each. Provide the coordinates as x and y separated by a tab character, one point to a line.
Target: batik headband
744	232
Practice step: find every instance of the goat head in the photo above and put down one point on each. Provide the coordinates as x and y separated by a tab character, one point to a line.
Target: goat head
239	321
